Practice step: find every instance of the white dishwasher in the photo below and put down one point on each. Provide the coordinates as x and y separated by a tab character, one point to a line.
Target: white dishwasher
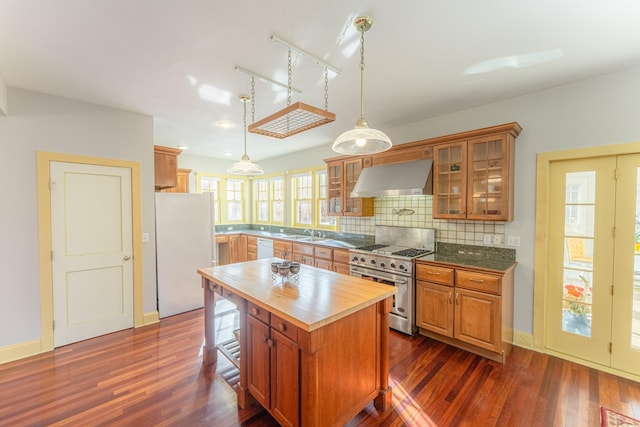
265	248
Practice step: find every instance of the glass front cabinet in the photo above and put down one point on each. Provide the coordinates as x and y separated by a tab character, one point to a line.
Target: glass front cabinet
342	176
474	178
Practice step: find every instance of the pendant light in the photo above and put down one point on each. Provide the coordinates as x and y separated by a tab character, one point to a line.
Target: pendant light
362	139
245	166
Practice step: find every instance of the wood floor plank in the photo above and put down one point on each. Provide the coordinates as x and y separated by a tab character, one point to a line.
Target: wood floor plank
154	376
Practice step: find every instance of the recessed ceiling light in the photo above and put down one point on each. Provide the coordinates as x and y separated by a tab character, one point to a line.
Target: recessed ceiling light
227	154
183	147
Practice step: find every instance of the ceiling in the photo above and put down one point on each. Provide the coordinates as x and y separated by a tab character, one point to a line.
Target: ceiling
175	59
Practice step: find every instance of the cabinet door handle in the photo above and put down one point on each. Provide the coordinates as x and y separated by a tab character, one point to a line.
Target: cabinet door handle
433	273
254	311
476	280
270	343
265	338
457	299
282	327
450	301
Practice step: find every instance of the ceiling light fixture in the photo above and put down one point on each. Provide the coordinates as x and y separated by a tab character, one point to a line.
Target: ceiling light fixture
245	166
362	139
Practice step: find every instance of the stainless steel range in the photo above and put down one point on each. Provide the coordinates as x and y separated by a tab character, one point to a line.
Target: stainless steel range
390	261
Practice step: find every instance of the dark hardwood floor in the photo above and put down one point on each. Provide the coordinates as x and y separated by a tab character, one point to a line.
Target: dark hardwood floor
153	376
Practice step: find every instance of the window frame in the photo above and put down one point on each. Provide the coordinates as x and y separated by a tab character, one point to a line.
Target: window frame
316	201
221	203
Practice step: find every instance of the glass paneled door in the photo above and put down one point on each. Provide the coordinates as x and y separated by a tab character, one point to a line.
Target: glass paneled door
591	313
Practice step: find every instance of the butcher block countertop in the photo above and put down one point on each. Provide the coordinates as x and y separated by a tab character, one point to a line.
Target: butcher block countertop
320	297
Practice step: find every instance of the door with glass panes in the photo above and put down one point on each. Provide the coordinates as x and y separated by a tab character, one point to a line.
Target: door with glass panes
593	268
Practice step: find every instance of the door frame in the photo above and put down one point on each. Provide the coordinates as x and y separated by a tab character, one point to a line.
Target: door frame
43	160
540	279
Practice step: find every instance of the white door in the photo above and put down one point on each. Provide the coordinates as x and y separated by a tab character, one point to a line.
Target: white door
91	234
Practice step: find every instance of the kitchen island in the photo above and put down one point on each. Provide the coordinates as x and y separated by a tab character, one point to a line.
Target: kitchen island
314	352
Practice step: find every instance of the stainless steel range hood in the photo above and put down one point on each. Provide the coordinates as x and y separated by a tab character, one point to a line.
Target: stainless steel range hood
397	179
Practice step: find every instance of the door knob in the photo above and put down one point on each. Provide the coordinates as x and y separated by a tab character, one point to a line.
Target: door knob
126	258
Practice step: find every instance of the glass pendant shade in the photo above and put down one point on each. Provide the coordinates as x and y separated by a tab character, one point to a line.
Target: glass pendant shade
245	166
362	140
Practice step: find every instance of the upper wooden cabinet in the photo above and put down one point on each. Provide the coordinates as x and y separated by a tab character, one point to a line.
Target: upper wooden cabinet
166	166
341	178
182	185
474	178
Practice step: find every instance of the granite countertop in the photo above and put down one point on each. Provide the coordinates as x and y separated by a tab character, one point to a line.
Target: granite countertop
296	238
487	258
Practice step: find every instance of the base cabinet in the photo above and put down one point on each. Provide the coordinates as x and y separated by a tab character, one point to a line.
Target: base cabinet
273	366
252	248
467	308
231	248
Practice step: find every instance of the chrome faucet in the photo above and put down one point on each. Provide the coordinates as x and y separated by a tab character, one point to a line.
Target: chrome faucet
307	230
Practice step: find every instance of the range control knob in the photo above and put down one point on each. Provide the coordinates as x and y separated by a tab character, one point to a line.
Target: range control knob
382	264
373	261
354	259
393	265
362	259
402	267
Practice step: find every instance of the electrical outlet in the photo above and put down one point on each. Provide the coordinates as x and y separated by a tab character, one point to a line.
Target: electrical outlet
513	240
261	228
487	239
497	239
229	228
145	237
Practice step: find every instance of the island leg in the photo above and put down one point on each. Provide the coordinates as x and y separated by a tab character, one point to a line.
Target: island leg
210	354
385	395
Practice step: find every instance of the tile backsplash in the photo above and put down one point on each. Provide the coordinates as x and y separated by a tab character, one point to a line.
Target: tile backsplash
416	211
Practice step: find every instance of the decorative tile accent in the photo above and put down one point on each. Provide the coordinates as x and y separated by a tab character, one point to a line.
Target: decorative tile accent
448	231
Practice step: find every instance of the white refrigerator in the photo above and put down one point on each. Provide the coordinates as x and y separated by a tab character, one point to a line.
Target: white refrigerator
185	241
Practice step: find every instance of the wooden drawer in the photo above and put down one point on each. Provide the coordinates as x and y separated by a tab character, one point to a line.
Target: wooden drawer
259	313
323	264
433	274
230	296
286	328
252	240
478	282
302	249
341	256
252	247
222	239
280	247
323	252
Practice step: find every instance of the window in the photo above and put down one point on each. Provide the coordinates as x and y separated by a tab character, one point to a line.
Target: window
228	194
261	196
268	200
234	200
277	199
309	200
324	220
208	184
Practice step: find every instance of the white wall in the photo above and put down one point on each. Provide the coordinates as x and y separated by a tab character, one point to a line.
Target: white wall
47	123
3	98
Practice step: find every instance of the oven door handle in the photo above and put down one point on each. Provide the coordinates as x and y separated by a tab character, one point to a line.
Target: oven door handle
400	281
